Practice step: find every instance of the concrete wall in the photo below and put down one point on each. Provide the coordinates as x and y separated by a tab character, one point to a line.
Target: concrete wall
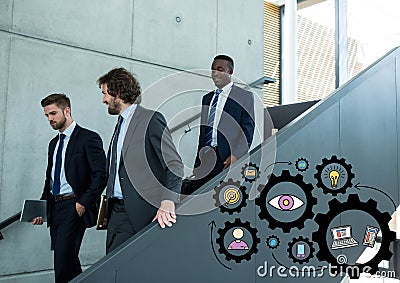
58	46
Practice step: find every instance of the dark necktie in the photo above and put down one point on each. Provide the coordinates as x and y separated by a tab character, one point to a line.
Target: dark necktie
57	169
211	117
113	164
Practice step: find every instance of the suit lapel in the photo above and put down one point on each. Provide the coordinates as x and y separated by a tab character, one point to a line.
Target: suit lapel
71	145
229	101
131	128
108	159
52	148
207	98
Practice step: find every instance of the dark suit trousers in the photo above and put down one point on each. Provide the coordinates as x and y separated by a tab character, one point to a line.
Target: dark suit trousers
119	228
218	167
66	231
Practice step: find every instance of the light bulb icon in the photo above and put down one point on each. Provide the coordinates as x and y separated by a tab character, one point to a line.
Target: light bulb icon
334	177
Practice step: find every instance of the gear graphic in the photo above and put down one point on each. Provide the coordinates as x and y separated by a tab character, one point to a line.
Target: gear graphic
273	242
353	203
234	196
302	164
251	166
325	163
311	250
261	201
245	225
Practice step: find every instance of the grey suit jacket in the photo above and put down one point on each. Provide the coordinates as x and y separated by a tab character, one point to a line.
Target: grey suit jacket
151	169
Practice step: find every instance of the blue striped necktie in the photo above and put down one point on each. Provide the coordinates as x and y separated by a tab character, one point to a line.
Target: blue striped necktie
57	168
211	117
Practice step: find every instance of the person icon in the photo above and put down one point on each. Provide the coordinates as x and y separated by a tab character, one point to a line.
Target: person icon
238	244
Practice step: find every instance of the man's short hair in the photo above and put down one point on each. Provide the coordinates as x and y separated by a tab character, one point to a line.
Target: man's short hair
59	99
225	58
121	82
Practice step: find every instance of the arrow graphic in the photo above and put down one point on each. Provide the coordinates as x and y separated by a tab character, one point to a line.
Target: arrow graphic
212	223
358	186
278	162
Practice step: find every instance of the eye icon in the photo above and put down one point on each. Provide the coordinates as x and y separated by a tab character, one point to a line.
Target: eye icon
286	202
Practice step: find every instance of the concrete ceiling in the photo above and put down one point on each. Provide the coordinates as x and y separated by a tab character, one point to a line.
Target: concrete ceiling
300	3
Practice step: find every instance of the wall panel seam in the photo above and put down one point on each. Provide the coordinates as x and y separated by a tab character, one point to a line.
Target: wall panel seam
3	130
98	52
132	29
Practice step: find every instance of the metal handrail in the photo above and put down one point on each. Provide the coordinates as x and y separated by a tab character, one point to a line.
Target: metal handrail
185	123
261	81
8	222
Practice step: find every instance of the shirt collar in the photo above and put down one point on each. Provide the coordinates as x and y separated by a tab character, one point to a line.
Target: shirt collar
128	112
68	131
226	88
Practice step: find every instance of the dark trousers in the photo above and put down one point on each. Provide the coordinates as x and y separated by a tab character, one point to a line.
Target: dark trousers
119	228
66	231
211	159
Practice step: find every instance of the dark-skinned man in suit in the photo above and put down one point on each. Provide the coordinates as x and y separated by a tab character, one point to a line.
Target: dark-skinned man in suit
227	123
75	178
144	169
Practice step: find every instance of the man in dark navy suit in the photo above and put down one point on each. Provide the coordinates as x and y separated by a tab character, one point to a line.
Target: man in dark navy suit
75	178
227	123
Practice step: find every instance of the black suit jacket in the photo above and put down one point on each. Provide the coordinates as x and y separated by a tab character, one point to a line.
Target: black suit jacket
151	169
85	171
236	126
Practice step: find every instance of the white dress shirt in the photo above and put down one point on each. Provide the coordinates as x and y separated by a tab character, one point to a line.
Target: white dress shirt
223	96
127	115
65	188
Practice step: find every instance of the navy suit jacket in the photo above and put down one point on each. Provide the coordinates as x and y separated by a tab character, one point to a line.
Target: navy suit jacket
236	126
85	171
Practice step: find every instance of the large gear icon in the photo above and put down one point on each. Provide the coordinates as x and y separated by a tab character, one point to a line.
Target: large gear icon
238	200
252	249
251	166
261	201
353	203
325	163
311	250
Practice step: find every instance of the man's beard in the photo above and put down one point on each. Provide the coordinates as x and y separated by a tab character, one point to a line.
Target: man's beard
59	125
114	107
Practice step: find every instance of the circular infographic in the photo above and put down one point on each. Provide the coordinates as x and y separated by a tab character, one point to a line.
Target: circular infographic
230	196
250	172
350	246
334	175
286	201
237	240
300	250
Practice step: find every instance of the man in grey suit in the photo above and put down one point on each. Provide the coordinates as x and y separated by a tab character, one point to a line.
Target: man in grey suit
227	123
144	169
